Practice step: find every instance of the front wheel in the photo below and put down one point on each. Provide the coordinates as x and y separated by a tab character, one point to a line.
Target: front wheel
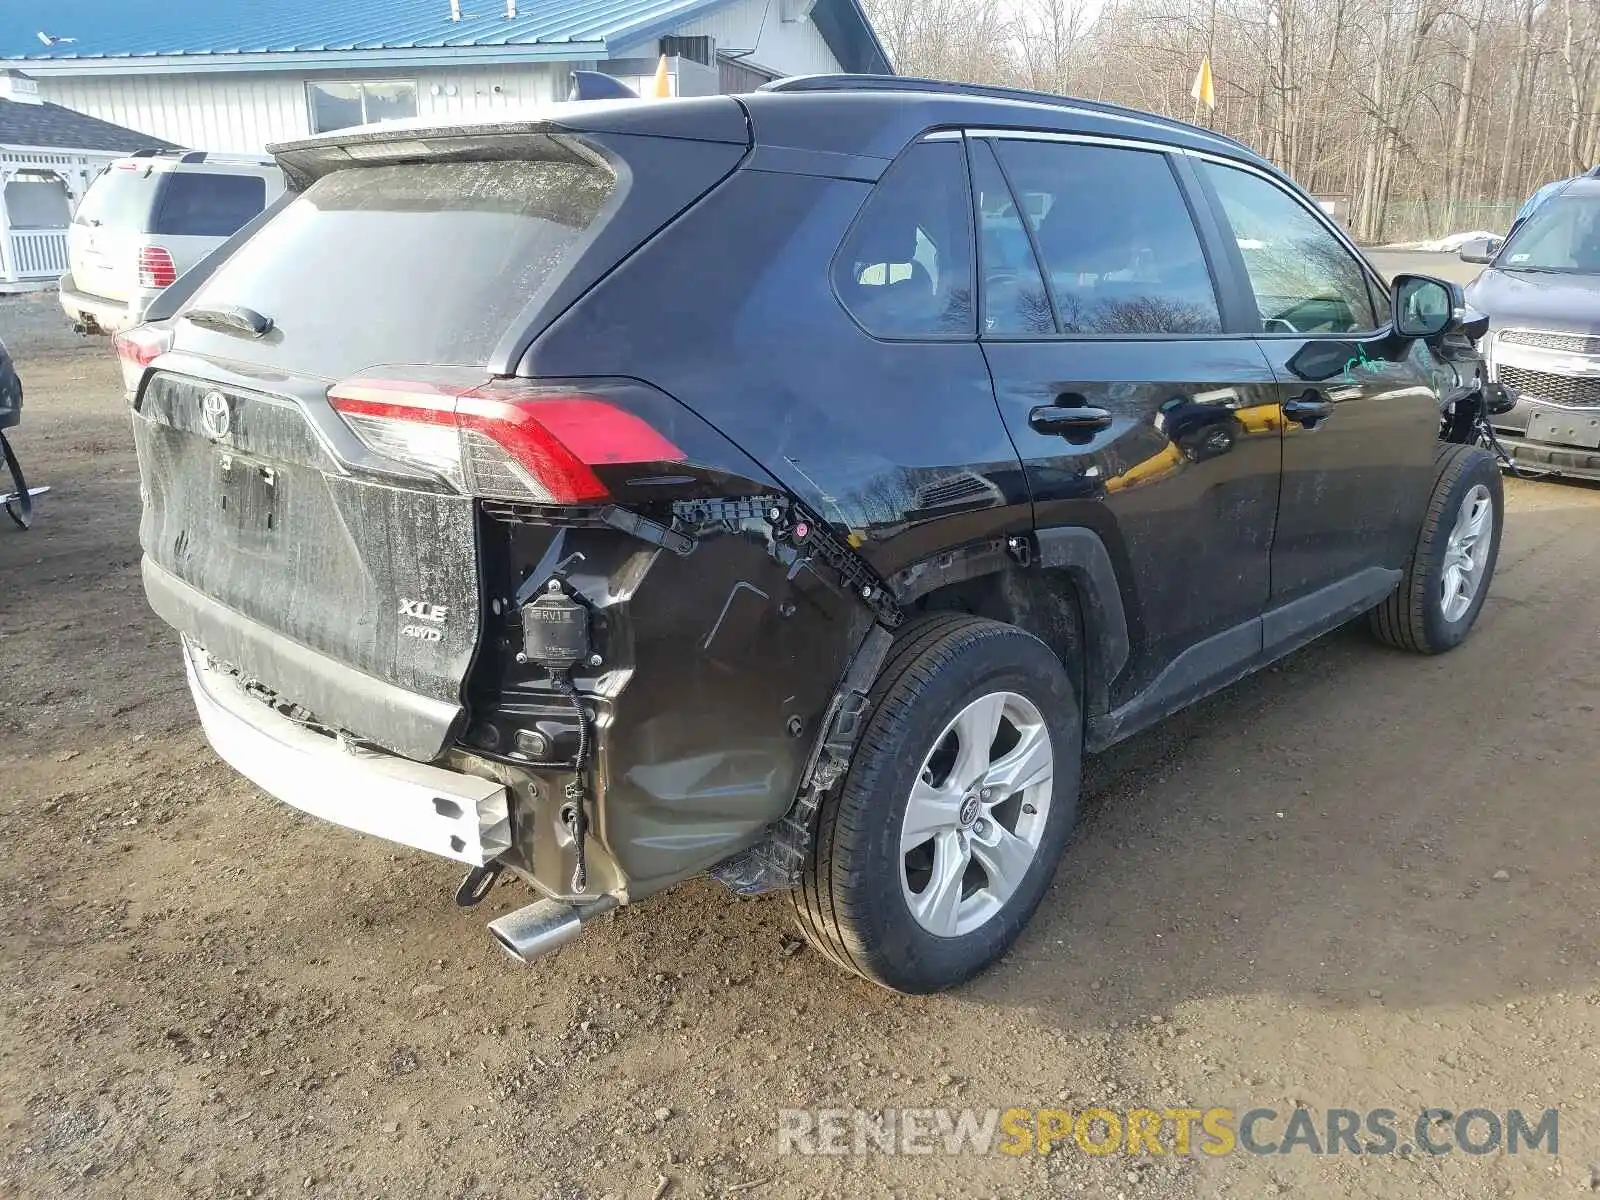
1447	580
941	841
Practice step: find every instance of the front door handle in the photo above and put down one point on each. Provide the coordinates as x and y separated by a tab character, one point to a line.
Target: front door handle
1308	408
1069	422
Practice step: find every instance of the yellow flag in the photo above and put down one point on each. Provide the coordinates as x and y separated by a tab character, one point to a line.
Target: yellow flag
1202	91
663	79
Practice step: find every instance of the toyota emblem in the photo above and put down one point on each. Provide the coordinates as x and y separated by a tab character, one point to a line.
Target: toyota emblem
215	416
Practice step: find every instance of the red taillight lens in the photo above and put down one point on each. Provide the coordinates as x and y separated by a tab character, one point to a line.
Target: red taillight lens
137	349
512	440
156	268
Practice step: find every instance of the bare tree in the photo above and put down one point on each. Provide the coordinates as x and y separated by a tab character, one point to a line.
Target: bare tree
1422	115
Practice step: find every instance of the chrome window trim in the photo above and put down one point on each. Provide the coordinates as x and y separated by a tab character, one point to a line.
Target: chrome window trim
1164	130
1095	139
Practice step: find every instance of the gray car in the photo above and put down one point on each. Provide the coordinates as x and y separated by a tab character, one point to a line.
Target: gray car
1541	291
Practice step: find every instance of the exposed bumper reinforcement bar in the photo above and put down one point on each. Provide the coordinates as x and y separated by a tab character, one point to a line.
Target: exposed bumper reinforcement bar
443	812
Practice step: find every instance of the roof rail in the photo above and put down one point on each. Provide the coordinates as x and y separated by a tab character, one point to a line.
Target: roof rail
943	87
200	156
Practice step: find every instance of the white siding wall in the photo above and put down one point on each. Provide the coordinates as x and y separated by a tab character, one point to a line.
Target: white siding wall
786	47
206	112
244	112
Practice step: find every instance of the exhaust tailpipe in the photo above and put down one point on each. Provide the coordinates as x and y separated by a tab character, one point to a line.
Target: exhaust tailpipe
544	925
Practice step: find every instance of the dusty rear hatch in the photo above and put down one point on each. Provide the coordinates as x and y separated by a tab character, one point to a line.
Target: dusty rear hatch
103	239
311	499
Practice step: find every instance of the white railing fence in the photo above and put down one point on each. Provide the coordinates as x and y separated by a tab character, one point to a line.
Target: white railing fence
33	254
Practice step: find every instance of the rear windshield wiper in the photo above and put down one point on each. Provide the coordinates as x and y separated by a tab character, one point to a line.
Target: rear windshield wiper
230	318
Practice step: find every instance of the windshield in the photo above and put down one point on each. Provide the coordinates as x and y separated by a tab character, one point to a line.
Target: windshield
1563	234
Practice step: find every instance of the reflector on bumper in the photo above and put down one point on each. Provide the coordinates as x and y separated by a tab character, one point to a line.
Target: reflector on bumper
443	812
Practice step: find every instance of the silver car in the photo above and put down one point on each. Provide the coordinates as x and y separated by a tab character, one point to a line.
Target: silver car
1541	291
147	220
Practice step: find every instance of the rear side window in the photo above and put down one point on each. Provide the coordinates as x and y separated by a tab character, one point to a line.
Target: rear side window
203	204
424	263
1120	251
1014	299
905	269
122	199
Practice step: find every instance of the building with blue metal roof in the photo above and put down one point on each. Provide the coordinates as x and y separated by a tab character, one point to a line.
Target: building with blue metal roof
238	75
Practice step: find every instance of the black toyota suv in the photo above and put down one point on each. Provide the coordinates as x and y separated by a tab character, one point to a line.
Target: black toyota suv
791	487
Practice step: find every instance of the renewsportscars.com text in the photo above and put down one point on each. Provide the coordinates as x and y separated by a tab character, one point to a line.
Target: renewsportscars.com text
1179	1131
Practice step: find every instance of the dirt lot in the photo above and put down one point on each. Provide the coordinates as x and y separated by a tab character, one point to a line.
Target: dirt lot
1358	880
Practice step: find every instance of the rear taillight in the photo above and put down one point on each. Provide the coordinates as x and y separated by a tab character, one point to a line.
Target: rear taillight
156	268
511	439
137	349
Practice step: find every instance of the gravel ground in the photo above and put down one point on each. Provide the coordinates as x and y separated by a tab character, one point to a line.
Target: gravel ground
1359	879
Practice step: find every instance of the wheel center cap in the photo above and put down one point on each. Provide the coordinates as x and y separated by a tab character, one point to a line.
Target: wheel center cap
968	814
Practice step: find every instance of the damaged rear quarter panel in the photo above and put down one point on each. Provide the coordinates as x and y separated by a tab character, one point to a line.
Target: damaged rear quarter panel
736	652
716	664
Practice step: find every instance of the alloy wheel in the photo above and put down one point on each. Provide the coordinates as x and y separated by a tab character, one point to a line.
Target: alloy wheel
1465	552
976	814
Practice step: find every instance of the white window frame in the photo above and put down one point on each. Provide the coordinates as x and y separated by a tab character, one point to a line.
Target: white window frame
361	85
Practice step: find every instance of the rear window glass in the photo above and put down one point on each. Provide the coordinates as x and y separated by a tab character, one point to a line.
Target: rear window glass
121	198
205	204
418	263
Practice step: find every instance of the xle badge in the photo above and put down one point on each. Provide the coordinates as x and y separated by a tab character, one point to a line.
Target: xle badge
421	610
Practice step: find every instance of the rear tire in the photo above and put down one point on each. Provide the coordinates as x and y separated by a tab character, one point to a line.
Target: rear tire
935	850
1447	579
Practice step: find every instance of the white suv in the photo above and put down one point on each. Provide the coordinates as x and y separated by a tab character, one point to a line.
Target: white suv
147	220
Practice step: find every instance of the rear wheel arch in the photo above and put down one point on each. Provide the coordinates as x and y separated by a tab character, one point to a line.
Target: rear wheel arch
849	903
1067	595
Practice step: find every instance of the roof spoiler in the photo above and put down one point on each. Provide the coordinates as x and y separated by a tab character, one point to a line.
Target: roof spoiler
596	85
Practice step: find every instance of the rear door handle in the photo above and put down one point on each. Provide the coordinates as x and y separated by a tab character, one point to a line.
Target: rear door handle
1308	408
1069	422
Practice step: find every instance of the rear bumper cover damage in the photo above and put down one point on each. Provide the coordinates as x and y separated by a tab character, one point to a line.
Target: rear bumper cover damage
417	726
456	816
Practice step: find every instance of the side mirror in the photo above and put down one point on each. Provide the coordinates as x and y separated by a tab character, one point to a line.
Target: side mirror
1481	250
1426	307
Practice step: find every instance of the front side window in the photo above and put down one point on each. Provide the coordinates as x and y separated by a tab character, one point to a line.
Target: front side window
905	269
343	105
1120	251
1304	279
